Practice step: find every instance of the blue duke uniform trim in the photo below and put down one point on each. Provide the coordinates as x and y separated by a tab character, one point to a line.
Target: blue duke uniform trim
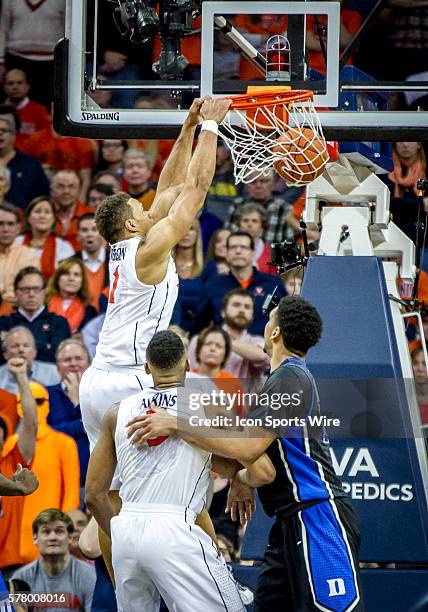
327	551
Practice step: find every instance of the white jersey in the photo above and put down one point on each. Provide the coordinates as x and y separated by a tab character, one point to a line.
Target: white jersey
167	470
135	311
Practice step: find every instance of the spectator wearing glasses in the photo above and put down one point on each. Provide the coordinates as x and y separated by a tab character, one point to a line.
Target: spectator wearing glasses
48	329
19	342
239	257
13	256
27	177
72	359
56	465
39	234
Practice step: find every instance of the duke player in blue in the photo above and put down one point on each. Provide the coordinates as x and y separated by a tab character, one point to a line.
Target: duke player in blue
311	561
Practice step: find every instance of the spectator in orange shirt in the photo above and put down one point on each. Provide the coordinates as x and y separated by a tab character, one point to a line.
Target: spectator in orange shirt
64	153
212	351
65	188
56	465
137	173
13	257
39	234
33	116
68	294
15	450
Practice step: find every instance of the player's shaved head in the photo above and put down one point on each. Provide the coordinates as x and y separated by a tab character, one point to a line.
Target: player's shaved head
111	215
165	351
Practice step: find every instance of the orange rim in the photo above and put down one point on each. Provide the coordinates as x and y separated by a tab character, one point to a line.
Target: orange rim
268	97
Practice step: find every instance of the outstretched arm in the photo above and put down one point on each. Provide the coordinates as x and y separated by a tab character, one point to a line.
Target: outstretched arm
173	175
28	426
175	169
165	234
246	449
102	465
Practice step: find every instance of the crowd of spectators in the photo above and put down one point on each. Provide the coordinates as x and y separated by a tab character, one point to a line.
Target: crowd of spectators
54	274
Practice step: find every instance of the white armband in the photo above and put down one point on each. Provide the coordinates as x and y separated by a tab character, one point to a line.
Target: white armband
210	125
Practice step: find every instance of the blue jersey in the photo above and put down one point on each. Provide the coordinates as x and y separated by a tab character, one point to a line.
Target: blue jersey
301	451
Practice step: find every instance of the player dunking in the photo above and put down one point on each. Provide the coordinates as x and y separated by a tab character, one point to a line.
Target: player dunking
144	282
157	548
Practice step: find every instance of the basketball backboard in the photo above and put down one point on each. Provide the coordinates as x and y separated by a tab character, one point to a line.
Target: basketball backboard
227	49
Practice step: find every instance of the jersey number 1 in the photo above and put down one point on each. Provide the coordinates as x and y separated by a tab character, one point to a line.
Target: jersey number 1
113	289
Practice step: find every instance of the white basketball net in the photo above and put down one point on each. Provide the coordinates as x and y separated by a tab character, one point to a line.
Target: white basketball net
251	141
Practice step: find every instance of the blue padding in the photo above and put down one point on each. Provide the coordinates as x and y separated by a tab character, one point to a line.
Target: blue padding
256	535
395	590
351	295
358	370
383	590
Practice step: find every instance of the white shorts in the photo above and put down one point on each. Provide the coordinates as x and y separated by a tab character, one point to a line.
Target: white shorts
99	390
157	553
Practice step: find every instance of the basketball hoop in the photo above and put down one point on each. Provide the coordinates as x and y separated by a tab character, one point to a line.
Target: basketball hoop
276	128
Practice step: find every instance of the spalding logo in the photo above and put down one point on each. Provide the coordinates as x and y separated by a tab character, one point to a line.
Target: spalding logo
101	116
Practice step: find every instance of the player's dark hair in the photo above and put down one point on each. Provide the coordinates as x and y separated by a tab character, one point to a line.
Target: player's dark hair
300	324
213	330
165	350
111	215
240	233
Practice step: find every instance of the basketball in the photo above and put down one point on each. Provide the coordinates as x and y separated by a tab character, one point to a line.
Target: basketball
304	155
